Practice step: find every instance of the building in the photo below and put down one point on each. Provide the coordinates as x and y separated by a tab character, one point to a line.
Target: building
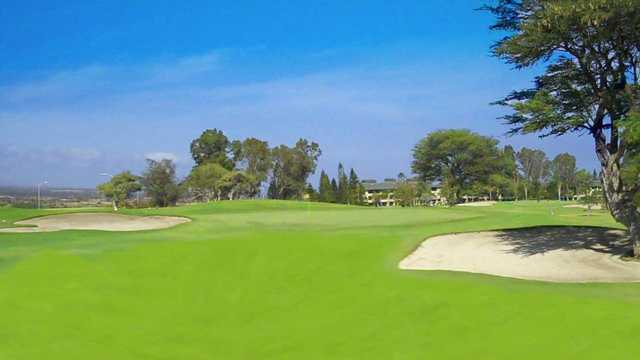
382	193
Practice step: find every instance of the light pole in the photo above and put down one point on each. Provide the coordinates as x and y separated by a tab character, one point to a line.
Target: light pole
113	197
39	185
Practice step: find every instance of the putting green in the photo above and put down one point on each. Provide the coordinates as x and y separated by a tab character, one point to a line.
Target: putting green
287	280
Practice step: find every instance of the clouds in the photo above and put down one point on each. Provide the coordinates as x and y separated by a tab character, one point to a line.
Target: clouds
159	156
111	117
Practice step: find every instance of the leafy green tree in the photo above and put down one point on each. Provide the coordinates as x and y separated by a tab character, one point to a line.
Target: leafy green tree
583	182
120	188
212	146
406	194
535	168
510	170
458	158
564	170
498	185
254	157
238	185
291	169
590	85
205	181
325	191
159	181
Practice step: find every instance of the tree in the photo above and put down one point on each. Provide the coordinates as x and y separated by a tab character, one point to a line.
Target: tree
325	192
204	181
591	83
291	169
534	166
334	189
457	158
237	185
498	184
406	194
254	157
510	169
356	190
212	146
342	196
120	188
159	181
564	170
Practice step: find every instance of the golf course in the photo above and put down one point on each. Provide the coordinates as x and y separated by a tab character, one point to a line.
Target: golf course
268	279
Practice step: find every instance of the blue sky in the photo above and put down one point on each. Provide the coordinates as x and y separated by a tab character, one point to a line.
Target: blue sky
93	87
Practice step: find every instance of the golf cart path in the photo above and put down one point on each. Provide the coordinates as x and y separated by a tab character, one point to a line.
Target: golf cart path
556	254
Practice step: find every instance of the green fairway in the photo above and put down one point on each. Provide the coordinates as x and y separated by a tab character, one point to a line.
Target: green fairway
294	280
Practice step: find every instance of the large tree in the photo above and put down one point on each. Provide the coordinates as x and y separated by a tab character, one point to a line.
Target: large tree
212	146
535	168
592	52
159	181
457	158
205	181
564	170
291	169
254	157
120	188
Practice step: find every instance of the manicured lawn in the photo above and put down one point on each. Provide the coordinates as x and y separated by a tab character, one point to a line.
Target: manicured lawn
286	280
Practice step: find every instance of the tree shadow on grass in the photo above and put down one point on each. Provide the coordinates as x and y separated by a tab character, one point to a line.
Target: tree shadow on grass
539	240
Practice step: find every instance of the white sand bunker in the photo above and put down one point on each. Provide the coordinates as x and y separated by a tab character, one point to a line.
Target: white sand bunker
559	254
96	221
582	206
478	203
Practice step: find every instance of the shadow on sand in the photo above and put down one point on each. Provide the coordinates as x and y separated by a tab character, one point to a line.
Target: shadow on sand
539	240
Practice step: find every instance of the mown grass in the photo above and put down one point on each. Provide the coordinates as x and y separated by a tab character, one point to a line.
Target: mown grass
288	280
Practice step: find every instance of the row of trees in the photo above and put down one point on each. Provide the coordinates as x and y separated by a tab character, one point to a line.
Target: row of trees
223	170
470	164
344	190
158	182
238	169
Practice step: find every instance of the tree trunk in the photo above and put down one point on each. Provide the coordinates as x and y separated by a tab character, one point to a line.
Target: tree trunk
526	193
559	192
620	201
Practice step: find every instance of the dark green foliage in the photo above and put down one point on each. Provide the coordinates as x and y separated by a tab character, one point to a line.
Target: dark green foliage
120	188
212	146
535	168
342	195
159	181
457	158
356	190
325	191
291	168
254	157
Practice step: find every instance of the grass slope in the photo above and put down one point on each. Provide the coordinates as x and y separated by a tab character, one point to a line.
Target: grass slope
286	280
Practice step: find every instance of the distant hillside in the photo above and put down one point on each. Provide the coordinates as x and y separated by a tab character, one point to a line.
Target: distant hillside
23	192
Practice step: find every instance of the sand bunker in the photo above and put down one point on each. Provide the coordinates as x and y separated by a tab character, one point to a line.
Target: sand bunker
96	221
559	254
478	203
581	206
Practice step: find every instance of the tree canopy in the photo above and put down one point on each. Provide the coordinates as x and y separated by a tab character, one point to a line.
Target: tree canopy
458	158
120	187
